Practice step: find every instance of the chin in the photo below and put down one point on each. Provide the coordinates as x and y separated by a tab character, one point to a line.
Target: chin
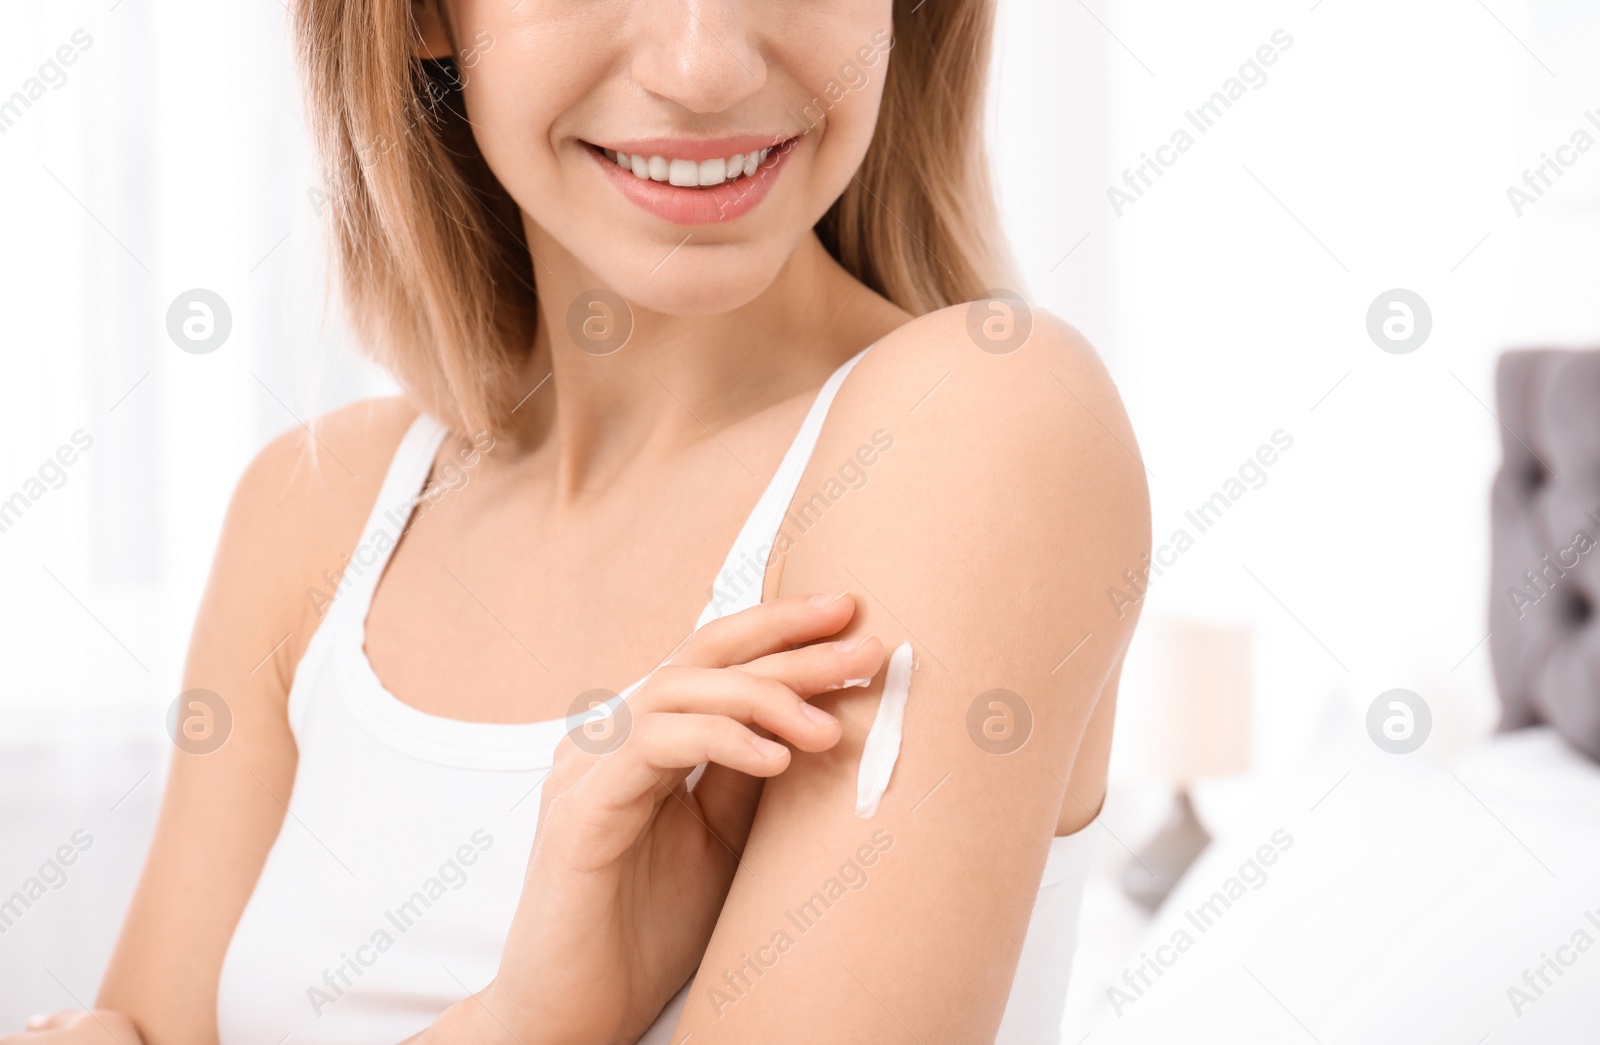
708	280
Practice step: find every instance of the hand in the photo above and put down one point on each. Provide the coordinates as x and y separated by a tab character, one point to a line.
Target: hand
76	1027
630	868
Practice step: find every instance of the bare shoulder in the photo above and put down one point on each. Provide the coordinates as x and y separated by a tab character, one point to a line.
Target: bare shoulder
986	442
996	376
300	505
345	451
989	335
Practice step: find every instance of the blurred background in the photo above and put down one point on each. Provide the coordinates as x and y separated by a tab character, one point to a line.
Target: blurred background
1228	287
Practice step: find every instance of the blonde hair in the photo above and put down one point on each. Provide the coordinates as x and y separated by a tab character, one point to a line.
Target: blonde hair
430	247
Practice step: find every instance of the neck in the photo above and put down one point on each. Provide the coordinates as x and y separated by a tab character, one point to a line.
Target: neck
679	378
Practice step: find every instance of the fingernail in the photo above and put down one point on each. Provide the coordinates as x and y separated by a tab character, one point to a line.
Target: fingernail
820	601
849	645
767	748
36	1020
817	715
857	682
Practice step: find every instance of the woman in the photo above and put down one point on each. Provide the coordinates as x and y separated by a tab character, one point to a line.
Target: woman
700	282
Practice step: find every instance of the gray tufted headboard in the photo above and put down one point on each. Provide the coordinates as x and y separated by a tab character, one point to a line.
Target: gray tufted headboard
1544	628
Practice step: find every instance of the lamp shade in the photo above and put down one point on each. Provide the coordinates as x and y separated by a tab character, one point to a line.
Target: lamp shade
1200	698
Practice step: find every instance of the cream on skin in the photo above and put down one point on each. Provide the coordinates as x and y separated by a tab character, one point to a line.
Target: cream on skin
882	749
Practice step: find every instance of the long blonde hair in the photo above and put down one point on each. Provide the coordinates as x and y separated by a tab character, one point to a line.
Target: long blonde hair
430	247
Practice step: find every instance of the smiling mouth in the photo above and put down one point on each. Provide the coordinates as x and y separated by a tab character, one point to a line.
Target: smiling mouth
693	174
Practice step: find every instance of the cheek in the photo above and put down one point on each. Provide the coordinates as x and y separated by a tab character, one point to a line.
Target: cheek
523	65
841	69
512	113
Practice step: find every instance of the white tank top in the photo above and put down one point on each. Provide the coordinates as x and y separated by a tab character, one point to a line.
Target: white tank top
388	893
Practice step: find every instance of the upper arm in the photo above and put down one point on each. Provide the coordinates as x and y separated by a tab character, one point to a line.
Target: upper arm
1005	498
291	516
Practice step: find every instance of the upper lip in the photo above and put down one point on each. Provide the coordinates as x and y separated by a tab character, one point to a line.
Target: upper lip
694	148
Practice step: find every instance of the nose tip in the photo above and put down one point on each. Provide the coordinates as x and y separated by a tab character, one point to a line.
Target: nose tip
699	54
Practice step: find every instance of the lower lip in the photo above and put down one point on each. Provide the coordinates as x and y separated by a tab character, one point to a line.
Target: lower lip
685	206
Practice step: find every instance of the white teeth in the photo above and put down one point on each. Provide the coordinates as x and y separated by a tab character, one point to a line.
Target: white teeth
713	172
684	173
689	173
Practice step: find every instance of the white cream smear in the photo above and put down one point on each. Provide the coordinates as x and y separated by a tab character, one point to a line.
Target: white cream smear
882	748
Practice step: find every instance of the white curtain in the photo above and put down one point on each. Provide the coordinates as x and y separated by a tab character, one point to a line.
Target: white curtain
146	150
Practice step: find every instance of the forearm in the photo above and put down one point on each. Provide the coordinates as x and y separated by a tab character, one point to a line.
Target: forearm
77	1027
481	1019
465	1022
456	1025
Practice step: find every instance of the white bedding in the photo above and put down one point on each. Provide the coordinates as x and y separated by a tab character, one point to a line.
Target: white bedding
1415	903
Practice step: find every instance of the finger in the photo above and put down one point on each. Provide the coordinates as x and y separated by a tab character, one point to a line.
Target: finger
50	1020
823	667
765	628
662	747
727	797
747	698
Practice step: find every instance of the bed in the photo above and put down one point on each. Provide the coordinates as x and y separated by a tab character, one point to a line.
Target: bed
1370	898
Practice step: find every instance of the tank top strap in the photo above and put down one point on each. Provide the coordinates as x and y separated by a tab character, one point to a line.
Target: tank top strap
393	513
738	584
